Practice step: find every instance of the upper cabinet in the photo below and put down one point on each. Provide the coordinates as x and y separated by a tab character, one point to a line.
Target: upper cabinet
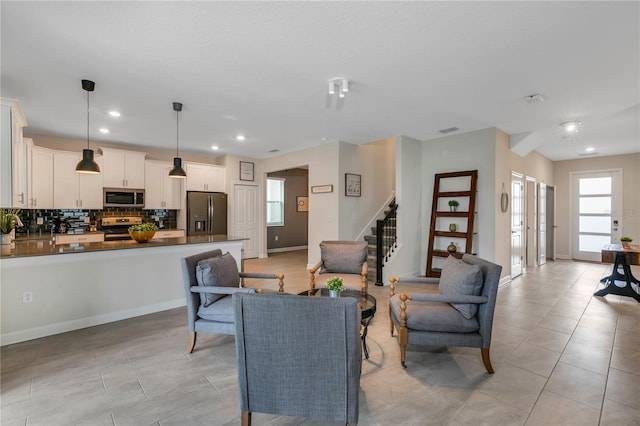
122	169
13	156
40	176
161	191
72	190
205	177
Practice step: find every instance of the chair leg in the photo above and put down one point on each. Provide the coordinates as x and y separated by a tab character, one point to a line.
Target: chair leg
486	360
391	325
245	418
192	341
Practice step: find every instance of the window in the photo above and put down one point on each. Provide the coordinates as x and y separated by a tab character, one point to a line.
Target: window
275	202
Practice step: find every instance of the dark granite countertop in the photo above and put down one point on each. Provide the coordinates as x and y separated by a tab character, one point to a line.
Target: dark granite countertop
45	247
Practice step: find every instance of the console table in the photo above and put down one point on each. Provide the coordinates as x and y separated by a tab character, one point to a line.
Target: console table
621	257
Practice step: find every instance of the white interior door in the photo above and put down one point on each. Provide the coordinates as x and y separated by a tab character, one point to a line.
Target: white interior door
542	224
517	223
531	220
596	208
245	217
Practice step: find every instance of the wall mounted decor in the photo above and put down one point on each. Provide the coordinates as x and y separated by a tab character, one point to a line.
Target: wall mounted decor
352	185
504	200
320	189
246	171
302	203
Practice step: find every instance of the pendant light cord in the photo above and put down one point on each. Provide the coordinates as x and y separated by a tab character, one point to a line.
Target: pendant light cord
177	130
87	119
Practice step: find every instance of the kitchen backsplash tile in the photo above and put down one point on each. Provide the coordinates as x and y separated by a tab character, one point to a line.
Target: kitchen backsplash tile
75	219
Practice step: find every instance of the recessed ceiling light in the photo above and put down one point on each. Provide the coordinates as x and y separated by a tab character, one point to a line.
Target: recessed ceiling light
590	149
114	113
215	147
570	126
103	130
240	138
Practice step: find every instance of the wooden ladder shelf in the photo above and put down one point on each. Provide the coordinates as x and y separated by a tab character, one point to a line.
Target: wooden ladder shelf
459	186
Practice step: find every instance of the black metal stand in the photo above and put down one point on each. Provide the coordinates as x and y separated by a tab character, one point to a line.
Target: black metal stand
612	288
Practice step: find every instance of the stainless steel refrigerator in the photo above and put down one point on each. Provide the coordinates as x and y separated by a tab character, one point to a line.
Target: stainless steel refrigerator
206	213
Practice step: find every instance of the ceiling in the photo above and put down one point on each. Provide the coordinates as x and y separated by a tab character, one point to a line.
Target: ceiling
261	69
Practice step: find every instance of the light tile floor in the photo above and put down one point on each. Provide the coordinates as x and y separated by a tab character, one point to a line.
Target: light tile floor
562	357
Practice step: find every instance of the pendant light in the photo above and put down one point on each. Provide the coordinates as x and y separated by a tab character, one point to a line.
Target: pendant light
177	171
88	164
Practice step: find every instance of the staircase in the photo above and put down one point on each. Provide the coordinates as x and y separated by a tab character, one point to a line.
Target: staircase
382	242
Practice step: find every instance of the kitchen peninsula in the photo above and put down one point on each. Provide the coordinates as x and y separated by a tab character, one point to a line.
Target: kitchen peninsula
48	289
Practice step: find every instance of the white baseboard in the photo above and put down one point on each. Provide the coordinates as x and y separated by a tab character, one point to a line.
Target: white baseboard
504	280
563	257
283	249
63	327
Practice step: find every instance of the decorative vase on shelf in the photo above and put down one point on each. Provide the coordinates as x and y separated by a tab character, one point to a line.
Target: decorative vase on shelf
452	248
453	227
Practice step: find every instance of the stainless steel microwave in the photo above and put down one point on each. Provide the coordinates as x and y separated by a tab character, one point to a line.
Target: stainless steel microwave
123	197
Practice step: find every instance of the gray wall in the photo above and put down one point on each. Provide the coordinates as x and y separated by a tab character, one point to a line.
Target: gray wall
294	233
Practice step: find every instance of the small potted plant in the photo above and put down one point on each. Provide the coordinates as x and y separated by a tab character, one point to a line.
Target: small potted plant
453	205
335	285
8	219
143	232
626	242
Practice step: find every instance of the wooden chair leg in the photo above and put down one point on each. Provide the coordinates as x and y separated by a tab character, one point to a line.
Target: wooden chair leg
486	360
192	341
391	325
245	418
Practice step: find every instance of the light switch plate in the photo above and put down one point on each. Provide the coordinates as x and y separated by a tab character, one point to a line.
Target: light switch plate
39	220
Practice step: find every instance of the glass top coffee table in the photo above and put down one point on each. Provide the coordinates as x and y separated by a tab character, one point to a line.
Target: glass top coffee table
367	304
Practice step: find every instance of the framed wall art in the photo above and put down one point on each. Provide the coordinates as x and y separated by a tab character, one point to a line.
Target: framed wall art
302	203
246	171
352	184
319	189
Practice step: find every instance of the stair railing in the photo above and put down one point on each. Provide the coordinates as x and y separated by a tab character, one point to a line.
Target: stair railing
386	239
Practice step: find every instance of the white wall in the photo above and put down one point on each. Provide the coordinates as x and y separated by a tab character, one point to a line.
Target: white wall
467	151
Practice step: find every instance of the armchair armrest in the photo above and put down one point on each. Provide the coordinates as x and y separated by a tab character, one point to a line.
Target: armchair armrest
414	280
312	271
315	268
364	270
222	290
448	298
261	275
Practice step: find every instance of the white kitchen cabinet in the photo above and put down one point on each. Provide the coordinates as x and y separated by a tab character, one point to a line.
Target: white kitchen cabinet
40	176
94	237
13	158
169	233
205	177
72	190
122	169
161	191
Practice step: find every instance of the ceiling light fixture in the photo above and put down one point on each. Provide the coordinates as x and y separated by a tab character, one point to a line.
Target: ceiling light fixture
240	138
114	113
103	130
88	164
215	147
177	171
570	126
534	99
340	84
590	149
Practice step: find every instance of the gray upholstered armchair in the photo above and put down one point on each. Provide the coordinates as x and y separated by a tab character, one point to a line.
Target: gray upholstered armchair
292	361
345	259
210	278
460	315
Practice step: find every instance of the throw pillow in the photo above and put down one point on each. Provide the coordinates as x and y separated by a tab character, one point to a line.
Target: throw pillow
458	277
218	272
343	257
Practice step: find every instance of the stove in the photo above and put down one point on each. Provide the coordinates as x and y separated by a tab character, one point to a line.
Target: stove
117	228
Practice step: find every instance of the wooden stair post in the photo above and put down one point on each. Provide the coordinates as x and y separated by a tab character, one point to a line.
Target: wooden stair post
464	191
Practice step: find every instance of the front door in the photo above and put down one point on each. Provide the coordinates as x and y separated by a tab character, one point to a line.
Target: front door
542	224
596	212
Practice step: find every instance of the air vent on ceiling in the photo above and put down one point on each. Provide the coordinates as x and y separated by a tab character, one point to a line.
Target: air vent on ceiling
449	130
275	150
587	154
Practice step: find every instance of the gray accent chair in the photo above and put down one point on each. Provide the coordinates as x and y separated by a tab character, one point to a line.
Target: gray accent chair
344	259
293	361
438	320
210	307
